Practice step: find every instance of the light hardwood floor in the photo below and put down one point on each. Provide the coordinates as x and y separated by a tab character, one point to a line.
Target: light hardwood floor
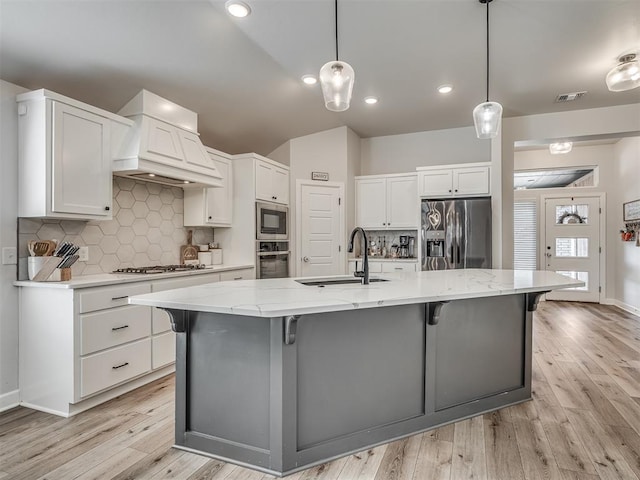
583	423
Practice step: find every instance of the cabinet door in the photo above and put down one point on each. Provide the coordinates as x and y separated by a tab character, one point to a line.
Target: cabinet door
371	210
403	202
81	165
280	185
435	183
471	181
263	181
219	209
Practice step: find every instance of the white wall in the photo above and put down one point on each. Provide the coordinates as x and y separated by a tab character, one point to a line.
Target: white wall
627	263
403	153
282	154
601	156
331	151
8	238
574	124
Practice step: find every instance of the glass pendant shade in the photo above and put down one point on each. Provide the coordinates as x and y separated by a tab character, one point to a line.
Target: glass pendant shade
625	76
487	117
336	79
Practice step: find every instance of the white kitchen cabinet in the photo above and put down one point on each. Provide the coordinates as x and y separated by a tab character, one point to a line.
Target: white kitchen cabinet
272	182
245	274
387	202
93	346
439	182
211	207
65	157
386	266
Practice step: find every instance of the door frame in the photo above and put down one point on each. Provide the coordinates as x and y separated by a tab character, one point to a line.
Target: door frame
298	242
542	237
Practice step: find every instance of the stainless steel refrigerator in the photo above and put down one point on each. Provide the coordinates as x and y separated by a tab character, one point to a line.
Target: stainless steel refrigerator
456	233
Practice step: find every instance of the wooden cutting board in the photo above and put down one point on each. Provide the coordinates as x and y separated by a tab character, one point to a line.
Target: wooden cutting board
188	253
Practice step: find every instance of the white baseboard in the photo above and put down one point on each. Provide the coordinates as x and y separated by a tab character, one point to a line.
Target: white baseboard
9	400
624	306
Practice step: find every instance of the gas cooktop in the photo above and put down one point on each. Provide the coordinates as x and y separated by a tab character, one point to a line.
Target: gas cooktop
160	269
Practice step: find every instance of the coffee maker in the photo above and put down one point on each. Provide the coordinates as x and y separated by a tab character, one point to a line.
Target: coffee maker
406	248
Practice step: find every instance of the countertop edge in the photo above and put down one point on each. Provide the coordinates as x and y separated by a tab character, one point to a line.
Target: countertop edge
105	279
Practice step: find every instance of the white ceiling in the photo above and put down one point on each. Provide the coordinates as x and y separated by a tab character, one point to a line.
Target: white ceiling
243	75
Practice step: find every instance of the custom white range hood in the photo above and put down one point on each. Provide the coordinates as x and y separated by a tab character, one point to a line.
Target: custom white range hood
163	146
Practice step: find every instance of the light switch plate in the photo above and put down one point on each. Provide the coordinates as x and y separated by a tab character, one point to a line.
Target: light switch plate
9	255
83	254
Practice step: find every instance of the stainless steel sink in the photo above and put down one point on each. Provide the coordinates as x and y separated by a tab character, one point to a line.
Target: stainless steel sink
337	281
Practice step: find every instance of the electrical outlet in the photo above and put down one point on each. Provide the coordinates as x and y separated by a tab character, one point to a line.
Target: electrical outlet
83	254
9	255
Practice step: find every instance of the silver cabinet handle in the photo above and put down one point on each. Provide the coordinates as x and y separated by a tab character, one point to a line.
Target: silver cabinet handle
549	255
119	298
305	259
120	366
119	328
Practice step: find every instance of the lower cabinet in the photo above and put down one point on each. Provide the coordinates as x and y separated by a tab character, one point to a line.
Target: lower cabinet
388	266
80	347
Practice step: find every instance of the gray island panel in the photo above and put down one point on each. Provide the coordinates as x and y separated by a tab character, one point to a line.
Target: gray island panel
295	376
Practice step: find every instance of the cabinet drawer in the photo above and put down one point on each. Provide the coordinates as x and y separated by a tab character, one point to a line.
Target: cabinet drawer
374	267
109	368
398	267
246	274
163	350
100	298
108	328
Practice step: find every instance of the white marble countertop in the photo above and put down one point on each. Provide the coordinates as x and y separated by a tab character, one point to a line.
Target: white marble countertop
87	281
285	296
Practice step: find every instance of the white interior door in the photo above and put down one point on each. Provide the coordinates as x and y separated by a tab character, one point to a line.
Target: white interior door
572	245
320	240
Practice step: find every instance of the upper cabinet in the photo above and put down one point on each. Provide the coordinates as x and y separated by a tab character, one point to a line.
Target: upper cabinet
211	207
272	182
65	153
440	182
387	202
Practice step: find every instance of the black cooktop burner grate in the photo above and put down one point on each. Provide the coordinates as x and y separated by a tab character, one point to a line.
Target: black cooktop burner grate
159	269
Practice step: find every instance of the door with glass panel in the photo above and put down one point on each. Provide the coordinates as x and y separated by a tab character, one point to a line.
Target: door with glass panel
572	245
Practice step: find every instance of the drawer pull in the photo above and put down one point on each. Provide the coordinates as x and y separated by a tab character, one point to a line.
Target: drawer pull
398	268
120	366
237	278
119	298
119	328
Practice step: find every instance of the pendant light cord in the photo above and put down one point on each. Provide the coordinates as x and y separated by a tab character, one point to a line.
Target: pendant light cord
488	1
336	11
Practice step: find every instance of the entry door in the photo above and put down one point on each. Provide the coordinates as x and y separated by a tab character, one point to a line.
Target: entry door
320	248
572	245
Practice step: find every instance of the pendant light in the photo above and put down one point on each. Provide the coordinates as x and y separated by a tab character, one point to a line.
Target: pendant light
487	115
626	75
336	79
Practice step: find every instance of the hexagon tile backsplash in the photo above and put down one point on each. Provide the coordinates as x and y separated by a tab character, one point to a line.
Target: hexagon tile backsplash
146	230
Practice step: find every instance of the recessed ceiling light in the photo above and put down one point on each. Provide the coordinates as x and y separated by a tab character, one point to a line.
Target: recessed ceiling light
371	100
560	148
186	181
309	79
445	88
237	8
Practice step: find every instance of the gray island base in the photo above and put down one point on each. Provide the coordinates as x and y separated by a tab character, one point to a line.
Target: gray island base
281	393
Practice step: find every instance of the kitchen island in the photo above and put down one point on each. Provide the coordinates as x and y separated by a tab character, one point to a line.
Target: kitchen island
280	375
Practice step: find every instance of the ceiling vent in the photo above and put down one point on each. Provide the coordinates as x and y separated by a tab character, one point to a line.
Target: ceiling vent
568	97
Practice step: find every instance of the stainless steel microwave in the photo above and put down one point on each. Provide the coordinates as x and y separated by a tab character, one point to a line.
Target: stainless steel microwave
272	221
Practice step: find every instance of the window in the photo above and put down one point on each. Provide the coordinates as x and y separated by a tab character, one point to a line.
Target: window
525	235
